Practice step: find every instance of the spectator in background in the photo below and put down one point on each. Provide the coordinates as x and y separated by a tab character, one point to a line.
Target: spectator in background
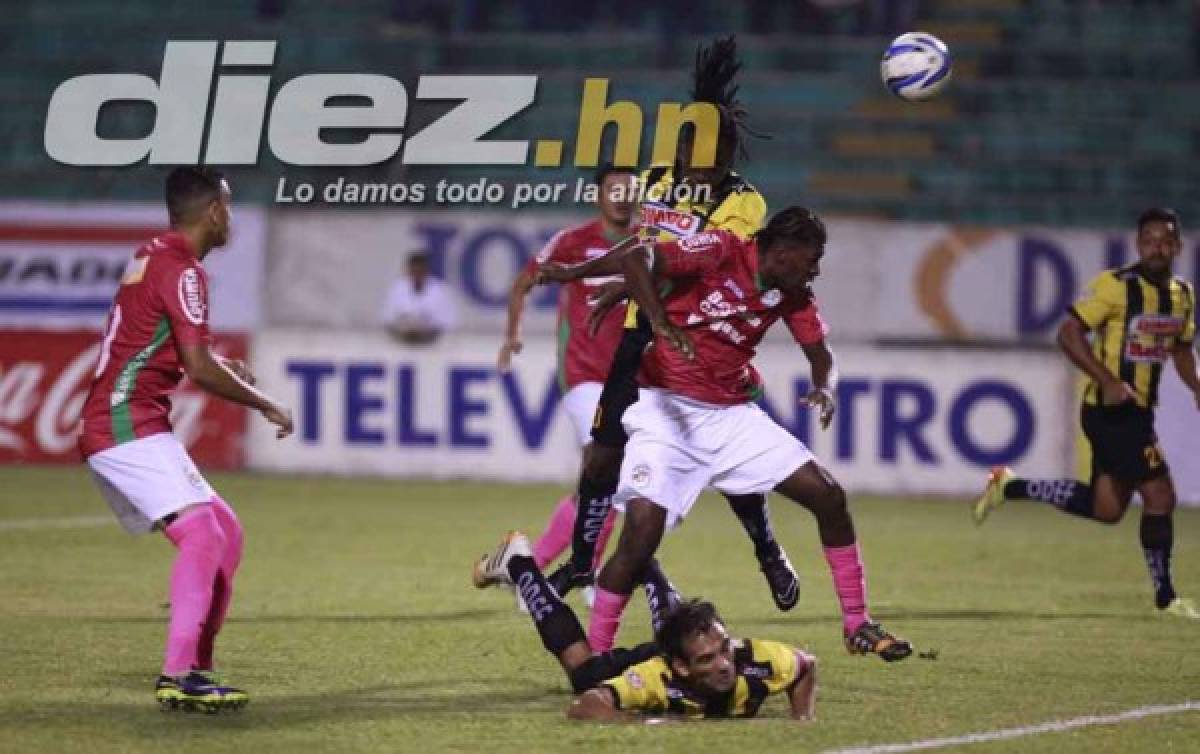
419	307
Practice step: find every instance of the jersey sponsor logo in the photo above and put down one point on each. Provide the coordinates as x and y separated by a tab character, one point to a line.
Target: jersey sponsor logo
666	219
1159	325
191	297
701	242
1145	353
640	476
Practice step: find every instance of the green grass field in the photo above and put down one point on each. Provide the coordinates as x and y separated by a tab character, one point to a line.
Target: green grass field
356	629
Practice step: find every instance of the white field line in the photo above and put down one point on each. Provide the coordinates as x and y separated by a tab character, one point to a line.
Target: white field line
1054	726
71	522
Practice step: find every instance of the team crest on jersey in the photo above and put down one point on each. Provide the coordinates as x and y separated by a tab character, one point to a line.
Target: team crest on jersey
640	476
669	220
191	298
635	680
772	298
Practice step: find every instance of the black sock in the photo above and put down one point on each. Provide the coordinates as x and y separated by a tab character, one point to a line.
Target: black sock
595	502
610	664
752	511
1068	495
555	621
661	594
1157	535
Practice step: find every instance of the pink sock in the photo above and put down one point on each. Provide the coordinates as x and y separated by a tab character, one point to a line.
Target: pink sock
222	584
606	619
201	546
557	536
845	564
602	539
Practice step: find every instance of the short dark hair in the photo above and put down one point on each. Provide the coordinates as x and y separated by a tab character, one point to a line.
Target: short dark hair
796	224
607	168
1159	214
685	620
190	187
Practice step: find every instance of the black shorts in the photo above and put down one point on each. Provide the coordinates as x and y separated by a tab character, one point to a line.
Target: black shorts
620	387
1123	443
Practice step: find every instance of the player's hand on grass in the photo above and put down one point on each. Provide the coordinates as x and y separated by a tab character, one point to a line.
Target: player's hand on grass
1114	392
676	337
822	398
281	417
607	296
511	347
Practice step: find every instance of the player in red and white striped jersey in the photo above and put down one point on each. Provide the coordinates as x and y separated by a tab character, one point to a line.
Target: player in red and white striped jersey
157	331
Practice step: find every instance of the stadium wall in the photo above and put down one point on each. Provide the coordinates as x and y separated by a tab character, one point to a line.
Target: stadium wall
881	280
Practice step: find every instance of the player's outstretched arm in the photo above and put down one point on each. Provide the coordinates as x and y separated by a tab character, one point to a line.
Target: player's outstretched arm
1072	339
596	705
210	372
512	330
824	380
602	266
639	277
1184	356
803	693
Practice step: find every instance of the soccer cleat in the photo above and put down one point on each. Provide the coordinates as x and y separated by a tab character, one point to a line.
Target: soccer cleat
782	581
491	570
871	638
1182	607
197	692
565	578
993	494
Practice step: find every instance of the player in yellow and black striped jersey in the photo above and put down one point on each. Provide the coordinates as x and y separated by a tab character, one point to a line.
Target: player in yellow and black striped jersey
698	198
1137	318
694	668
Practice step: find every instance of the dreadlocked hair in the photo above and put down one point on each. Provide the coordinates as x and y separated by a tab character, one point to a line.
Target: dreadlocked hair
712	81
796	224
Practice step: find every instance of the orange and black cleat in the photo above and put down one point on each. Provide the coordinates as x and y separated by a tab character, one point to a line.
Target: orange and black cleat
871	638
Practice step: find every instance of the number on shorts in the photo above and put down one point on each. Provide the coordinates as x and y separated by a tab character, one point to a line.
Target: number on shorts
1153	456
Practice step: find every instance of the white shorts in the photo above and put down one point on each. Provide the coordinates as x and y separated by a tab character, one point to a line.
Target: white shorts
147	479
580	403
678	446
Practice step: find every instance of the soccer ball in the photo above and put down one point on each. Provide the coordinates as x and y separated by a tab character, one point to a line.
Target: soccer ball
916	66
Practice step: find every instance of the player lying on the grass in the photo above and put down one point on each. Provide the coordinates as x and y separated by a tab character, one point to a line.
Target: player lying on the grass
687	199
1139	316
585	353
157	330
694	424
692	669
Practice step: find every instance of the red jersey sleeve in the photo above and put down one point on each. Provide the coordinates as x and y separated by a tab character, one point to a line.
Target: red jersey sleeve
807	325
696	255
184	293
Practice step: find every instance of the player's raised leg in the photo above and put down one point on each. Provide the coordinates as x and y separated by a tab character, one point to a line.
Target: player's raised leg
1105	499
815	489
512	563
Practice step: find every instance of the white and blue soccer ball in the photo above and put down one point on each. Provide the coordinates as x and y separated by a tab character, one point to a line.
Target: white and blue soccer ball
916	66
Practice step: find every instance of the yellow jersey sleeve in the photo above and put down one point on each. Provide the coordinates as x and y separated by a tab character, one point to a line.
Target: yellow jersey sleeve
641	688
741	214
1101	300
782	660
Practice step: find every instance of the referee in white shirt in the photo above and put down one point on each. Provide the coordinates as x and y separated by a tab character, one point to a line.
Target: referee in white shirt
419	307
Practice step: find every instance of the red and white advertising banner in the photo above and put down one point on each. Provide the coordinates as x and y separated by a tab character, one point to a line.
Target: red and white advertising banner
44	378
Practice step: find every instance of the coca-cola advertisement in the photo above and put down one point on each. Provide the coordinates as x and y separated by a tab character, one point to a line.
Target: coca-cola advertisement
44	378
